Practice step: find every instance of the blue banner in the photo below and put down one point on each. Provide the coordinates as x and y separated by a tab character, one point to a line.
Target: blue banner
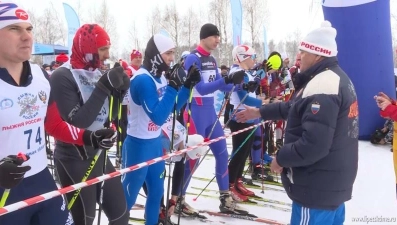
73	24
265	46
237	21
364	53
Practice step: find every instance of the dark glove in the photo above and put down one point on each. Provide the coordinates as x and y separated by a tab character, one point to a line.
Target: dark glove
11	173
174	80
115	79
235	78
103	138
251	86
193	77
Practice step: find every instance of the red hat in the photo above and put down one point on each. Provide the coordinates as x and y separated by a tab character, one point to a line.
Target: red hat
86	42
62	58
135	53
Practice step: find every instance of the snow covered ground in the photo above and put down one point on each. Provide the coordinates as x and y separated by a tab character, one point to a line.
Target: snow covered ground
374	193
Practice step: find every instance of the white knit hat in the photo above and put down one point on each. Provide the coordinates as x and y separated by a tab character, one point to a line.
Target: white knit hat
163	43
12	13
321	41
242	52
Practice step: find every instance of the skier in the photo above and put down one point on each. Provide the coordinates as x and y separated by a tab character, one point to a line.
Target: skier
29	109
151	101
245	56
82	94
204	117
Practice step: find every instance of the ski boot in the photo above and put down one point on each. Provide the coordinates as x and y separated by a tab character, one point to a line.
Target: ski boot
242	189
229	206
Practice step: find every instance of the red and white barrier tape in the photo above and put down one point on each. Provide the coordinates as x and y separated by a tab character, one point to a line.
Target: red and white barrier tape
40	198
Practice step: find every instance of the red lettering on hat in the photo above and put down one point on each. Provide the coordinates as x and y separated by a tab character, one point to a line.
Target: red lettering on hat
21	14
316	48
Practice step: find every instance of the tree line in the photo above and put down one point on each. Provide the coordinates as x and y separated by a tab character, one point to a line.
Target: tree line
183	27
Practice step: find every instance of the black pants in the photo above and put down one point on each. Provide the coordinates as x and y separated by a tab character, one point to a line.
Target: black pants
71	171
228	110
239	154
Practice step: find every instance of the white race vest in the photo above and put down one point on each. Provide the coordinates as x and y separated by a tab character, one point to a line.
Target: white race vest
86	81
234	99
22	113
207	76
139	123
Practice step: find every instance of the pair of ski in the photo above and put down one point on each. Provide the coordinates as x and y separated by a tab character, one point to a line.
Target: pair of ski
197	216
256	198
251	202
204	219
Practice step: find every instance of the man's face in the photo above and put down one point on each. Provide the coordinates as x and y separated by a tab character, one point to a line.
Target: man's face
103	53
16	42
168	56
298	60
212	42
137	61
286	62
224	72
308	60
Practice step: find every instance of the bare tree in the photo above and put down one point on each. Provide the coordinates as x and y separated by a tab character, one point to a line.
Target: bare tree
291	44
271	46
190	29
153	22
48	28
280	47
172	22
105	19
255	14
220	13
133	38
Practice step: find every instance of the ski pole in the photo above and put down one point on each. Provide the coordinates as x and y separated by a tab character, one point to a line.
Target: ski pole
205	155
189	113
231	157
167	205
105	155
86	175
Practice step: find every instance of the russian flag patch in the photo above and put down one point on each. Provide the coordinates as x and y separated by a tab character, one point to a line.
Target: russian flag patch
315	108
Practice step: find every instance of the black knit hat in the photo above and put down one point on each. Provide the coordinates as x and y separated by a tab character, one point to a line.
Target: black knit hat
208	30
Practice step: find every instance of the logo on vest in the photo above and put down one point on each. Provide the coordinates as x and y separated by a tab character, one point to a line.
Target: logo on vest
208	64
161	91
152	126
43	96
29	107
6	103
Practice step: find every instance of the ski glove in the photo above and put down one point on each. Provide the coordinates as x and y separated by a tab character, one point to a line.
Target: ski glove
11	171
174	80
115	79
193	77
251	86
103	138
235	78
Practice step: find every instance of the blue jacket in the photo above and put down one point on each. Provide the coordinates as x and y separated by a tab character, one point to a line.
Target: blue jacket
320	154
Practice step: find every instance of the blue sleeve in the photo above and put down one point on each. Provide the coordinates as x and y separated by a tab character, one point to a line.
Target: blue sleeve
317	132
250	101
144	93
183	96
206	88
